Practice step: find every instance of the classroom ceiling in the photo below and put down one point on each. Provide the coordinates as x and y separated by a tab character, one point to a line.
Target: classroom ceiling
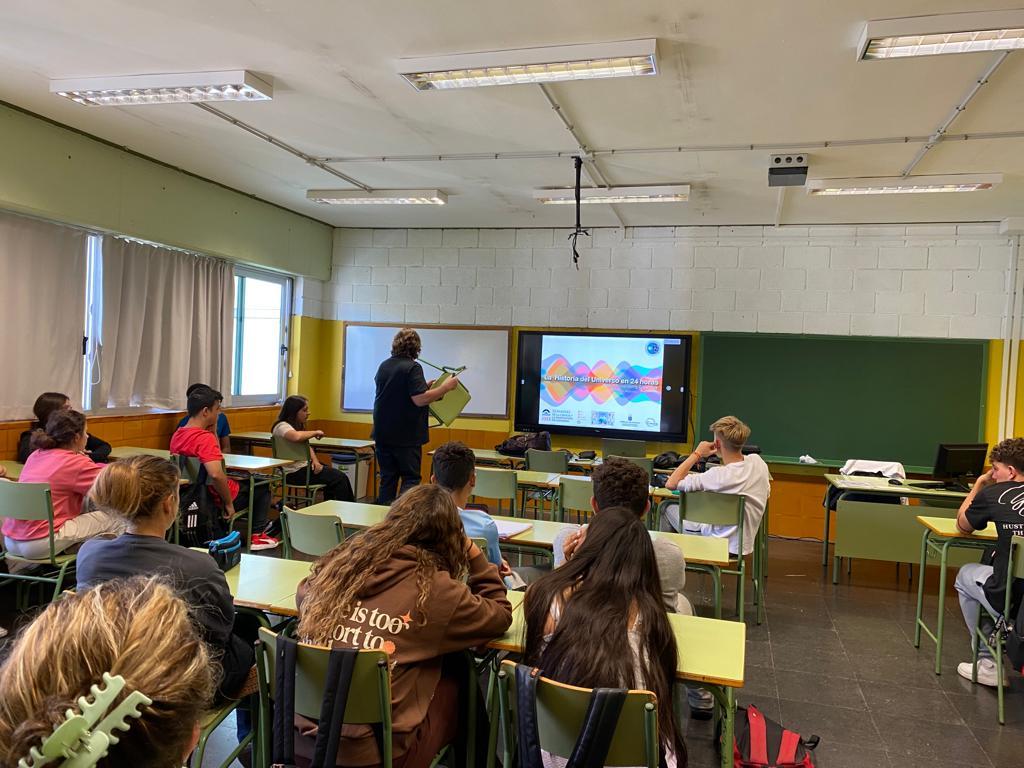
730	73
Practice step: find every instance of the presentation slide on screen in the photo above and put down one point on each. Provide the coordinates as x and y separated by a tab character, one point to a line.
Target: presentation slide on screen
609	382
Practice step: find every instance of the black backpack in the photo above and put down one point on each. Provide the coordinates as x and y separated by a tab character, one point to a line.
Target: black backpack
199	518
1013	630
517	445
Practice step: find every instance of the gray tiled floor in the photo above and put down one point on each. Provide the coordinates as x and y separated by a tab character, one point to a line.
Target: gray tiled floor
839	662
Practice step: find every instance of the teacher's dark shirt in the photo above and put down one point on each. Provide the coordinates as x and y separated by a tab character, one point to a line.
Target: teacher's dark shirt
396	419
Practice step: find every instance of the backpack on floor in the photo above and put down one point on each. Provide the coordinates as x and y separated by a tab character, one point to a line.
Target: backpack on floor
763	743
1012	630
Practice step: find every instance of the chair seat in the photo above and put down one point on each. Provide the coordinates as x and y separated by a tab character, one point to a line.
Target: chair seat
311	486
57	560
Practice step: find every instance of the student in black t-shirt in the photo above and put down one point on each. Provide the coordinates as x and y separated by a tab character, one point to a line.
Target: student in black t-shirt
143	490
997	497
400	415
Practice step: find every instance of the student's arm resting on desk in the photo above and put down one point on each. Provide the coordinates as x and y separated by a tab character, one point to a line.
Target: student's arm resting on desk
964	523
702	451
215	471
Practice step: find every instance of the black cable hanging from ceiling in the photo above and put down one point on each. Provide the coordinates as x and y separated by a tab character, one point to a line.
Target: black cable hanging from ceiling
578	162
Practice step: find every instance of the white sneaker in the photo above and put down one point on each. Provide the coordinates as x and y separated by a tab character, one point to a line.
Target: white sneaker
986	672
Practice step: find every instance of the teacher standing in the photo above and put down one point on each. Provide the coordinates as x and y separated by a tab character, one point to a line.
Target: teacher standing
400	415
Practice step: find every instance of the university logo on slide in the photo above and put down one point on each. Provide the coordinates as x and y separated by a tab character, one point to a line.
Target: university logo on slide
653	347
625	383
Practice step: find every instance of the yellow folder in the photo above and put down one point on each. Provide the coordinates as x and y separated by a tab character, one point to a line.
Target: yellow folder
450	407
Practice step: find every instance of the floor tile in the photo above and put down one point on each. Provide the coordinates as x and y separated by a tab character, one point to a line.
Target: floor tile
837	725
1004	747
923	739
816	688
887	701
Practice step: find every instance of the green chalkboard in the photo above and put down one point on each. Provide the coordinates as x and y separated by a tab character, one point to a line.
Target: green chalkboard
839	398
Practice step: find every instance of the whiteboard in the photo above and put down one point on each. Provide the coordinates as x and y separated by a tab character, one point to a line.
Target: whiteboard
484	352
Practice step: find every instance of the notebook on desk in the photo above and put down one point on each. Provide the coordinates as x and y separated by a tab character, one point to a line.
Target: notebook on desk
507	529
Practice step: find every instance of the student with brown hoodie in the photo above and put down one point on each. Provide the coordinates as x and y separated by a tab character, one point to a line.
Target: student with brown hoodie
417	588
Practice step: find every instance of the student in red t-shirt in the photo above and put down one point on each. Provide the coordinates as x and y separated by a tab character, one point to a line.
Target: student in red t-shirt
195	439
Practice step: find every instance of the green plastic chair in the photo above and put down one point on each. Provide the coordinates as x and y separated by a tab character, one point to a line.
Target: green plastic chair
727	509
611	446
303	493
32	501
556	462
369	697
643	462
499	484
189	467
308	533
210	724
575	494
1014	571
560	713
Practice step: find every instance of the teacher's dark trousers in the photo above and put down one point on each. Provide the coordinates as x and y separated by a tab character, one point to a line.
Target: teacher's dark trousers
397	463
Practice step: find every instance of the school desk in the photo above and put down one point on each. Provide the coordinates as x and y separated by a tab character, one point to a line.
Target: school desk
710	652
13	469
940	535
267	583
878	531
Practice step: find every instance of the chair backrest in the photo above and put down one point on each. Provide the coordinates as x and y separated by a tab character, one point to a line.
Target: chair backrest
369	697
1015	569
547	461
575	493
288	450
189	466
715	509
644	463
495	483
611	446
560	714
311	534
27	501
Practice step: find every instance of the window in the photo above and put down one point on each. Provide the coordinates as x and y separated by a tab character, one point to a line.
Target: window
261	311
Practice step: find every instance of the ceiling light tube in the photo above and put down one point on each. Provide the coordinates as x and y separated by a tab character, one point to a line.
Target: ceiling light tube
554	64
378	196
184	87
900	185
942	34
676	193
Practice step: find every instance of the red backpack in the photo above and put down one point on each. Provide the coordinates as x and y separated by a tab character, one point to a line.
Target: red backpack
763	743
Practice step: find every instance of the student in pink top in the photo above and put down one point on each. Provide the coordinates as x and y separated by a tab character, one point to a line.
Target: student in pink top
58	458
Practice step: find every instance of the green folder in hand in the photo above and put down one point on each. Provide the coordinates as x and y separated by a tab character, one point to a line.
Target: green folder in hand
450	407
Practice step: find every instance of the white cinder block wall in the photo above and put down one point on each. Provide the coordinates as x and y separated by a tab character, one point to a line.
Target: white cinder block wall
924	280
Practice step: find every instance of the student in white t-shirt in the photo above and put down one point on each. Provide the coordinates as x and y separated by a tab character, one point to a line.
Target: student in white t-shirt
737	474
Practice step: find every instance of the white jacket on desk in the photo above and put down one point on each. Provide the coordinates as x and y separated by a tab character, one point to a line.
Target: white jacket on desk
886	468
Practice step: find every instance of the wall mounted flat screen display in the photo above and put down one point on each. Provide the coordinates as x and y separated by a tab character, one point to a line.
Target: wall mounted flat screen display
613	385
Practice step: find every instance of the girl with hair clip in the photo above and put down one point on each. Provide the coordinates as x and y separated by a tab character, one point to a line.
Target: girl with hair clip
45	405
415	587
599	622
291	426
58	458
135	629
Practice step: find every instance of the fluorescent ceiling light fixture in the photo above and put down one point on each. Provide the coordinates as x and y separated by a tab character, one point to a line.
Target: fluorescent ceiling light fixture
555	64
677	193
944	33
184	87
901	185
378	196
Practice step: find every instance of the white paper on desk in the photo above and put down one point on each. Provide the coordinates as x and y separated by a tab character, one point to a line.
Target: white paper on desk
857	482
508	529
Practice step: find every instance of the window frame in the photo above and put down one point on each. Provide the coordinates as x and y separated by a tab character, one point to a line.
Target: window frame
241	273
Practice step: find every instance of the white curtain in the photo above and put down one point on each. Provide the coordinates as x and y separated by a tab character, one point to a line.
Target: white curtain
167	323
42	312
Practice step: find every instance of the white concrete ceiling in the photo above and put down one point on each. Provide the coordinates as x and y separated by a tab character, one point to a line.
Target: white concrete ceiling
733	72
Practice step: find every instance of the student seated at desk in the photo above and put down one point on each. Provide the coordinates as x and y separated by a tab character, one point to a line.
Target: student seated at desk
411	569
291	426
196	440
599	622
737	474
995	498
621	483
143	492
137	629
58	458
222	429
45	405
454	469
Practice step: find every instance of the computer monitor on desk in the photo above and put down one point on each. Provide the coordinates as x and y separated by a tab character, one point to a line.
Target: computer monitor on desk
957	465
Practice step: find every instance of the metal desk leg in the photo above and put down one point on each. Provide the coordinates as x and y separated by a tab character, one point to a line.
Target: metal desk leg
824	539
726	701
920	588
942	604
716	581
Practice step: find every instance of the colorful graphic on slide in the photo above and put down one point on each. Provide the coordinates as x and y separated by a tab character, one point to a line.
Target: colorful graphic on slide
613	382
626	383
